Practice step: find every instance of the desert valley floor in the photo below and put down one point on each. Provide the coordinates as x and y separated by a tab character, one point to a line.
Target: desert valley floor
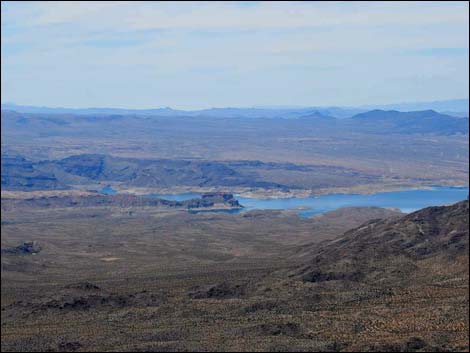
81	277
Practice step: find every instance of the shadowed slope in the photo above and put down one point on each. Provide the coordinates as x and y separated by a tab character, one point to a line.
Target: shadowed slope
391	250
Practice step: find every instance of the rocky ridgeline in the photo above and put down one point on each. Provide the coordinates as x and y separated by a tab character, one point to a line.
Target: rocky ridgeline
387	250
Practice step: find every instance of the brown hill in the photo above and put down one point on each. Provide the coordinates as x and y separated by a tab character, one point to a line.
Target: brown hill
392	250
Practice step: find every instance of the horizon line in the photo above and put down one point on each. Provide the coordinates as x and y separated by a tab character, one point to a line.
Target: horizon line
267	107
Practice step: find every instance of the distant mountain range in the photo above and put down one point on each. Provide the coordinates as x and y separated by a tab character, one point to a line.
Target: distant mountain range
374	121
457	107
212	112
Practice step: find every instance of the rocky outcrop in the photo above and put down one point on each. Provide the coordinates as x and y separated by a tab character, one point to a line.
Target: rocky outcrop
213	199
27	248
222	290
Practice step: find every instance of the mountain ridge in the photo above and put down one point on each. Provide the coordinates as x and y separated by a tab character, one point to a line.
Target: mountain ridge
390	250
457	105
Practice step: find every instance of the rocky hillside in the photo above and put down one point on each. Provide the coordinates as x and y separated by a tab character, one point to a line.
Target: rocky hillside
398	250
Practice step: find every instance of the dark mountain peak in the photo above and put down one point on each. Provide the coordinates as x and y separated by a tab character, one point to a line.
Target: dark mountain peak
373	113
386	114
423	121
315	114
428	111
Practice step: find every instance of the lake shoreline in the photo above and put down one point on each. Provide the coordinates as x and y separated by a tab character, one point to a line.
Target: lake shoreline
262	194
404	200
267	194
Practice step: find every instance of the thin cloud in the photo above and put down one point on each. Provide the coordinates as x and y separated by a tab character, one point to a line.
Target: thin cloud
169	53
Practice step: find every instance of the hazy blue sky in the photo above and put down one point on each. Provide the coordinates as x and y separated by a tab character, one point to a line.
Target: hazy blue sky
197	55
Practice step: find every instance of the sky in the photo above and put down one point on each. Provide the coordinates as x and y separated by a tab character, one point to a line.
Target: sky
193	55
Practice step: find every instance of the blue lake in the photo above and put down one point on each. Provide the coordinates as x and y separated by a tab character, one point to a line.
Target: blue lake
108	190
407	201
175	197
